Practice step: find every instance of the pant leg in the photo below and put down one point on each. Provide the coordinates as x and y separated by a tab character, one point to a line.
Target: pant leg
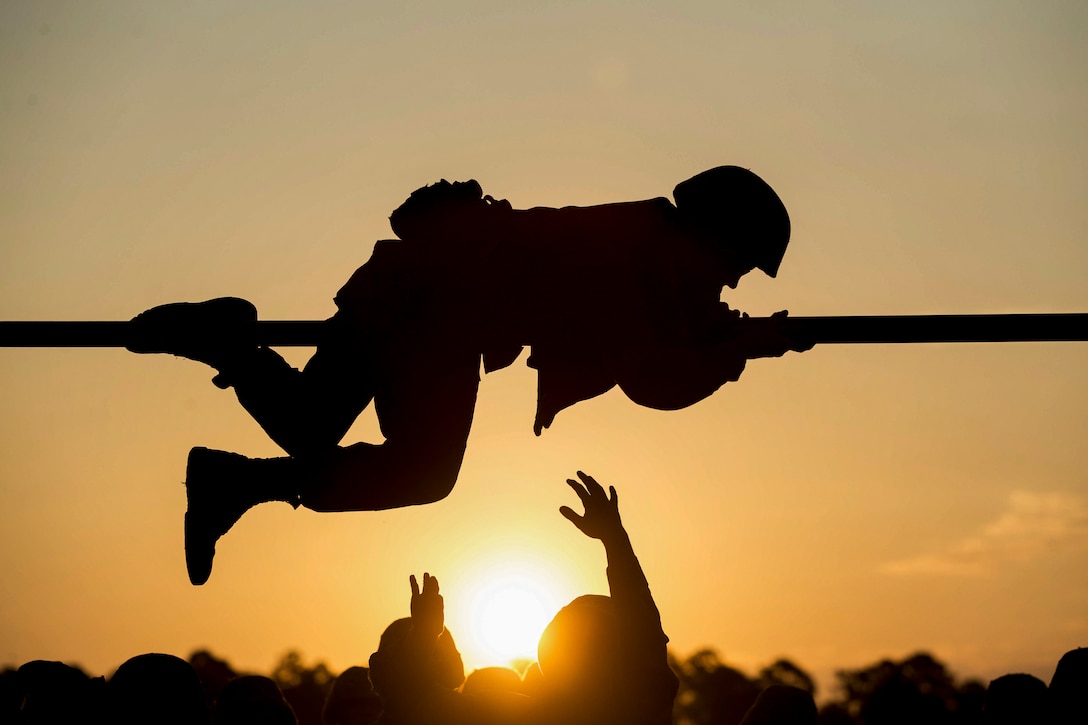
307	412
424	397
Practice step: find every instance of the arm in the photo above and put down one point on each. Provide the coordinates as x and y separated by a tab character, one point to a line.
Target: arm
649	682
428	609
673	376
626	580
601	521
417	666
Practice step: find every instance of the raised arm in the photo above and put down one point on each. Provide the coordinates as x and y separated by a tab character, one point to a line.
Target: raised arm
648	683
601	520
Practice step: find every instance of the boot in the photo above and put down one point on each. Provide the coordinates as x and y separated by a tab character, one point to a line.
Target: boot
218	489
212	332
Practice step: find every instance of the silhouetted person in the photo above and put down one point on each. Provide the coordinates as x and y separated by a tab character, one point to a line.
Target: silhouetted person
1015	699
782	705
1068	691
156	688
253	700
54	693
492	679
417	667
532	682
603	659
352	700
621	294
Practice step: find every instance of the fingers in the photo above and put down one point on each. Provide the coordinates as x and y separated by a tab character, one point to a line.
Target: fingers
583	494
430	584
589	489
594	488
578	521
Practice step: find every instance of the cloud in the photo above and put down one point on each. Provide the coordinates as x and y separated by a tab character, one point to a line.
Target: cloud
1034	525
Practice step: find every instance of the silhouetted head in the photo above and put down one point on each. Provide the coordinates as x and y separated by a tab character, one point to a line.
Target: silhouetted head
741	213
581	647
1014	698
492	679
1068	692
157	688
532	682
444	210
392	662
352	700
53	692
782	705
253	700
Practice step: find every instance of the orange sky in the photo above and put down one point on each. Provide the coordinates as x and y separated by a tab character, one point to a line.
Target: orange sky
851	503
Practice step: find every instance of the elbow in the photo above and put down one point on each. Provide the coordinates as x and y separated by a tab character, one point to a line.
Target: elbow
666	395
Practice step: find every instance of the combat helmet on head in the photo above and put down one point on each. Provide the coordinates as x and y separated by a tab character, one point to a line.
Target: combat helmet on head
740	210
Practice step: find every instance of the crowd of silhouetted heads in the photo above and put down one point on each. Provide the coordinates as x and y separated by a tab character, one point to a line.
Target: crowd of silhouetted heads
602	660
162	688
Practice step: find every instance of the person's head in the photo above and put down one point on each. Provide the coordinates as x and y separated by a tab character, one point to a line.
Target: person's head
53	692
740	217
352	700
1014	698
581	649
1068	691
158	688
444	210
253	700
390	664
782	705
492	679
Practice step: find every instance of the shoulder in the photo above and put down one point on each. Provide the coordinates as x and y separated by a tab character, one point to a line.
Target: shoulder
620	220
390	261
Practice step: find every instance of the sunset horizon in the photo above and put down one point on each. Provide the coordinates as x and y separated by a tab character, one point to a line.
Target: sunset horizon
836	507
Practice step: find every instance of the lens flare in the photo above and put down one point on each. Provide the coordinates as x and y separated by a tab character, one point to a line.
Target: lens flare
508	617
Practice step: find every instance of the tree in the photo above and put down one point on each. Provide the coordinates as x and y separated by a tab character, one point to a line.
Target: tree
711	693
918	689
784	672
304	687
213	672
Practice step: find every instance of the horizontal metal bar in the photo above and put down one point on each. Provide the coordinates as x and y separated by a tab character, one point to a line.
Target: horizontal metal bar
1067	327
273	333
1062	327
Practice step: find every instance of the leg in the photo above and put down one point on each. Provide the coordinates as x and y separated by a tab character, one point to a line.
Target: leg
424	403
304	412
308	412
425	409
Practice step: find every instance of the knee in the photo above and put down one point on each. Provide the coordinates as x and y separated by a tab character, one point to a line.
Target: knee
367	477
433	475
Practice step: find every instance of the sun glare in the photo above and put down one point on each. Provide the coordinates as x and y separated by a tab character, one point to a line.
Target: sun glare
508	616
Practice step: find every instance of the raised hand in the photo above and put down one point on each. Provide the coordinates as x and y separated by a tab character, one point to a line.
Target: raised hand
601	519
768	338
428	608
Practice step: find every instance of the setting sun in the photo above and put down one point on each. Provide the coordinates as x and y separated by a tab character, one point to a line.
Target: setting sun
848	505
508	618
499	611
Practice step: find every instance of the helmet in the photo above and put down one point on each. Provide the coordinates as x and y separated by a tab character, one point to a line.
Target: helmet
740	210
